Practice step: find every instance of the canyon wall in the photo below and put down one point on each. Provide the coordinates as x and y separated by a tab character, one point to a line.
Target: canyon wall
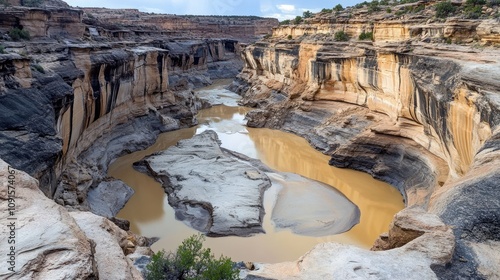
93	103
421	116
131	22
47	22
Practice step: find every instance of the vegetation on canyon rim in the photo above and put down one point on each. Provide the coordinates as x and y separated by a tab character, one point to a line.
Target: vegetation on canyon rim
191	261
471	9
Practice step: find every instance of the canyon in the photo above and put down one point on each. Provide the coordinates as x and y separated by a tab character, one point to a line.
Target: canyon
417	106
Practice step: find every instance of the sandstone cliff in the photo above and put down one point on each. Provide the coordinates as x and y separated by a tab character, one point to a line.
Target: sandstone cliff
406	107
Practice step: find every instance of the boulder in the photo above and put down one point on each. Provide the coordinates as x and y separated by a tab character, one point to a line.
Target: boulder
109	197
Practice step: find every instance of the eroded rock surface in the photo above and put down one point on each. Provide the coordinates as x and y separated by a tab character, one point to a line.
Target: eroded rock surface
110	242
109	197
434	246
212	191
49	244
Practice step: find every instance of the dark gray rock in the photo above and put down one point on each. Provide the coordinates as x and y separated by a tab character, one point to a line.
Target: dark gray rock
109	197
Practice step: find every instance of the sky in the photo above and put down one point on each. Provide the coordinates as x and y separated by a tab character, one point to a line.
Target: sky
280	9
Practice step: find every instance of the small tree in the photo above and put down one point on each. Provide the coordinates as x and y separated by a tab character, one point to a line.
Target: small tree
297	20
444	9
338	8
307	14
285	22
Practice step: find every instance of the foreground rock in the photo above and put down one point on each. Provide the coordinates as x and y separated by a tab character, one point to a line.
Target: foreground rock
110	241
49	244
211	191
337	261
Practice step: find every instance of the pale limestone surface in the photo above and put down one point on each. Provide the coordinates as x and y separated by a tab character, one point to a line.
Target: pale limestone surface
49	243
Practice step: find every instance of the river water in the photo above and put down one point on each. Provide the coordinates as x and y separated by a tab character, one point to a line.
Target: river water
150	214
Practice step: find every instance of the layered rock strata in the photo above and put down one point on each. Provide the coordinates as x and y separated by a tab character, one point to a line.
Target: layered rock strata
423	117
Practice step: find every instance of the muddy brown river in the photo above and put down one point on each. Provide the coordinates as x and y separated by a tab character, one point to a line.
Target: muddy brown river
150	214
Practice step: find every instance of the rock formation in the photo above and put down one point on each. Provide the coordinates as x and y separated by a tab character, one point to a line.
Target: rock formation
406	107
220	192
211	190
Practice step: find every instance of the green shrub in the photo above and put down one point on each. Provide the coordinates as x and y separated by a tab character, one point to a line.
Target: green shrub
289	37
492	3
448	40
475	2
2	49
384	2
17	34
473	12
285	22
190	261
297	20
444	9
388	10
360	5
366	36
328	11
400	13
418	9
307	14
341	36
31	3
338	8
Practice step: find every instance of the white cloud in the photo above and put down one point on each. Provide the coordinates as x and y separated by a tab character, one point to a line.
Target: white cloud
280	17
286	9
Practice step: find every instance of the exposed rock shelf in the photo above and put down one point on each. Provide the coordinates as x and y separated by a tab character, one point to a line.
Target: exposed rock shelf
221	192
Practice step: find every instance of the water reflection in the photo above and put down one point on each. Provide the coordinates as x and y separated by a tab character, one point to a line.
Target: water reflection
150	215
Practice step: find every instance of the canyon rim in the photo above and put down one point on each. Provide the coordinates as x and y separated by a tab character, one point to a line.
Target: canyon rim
408	92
